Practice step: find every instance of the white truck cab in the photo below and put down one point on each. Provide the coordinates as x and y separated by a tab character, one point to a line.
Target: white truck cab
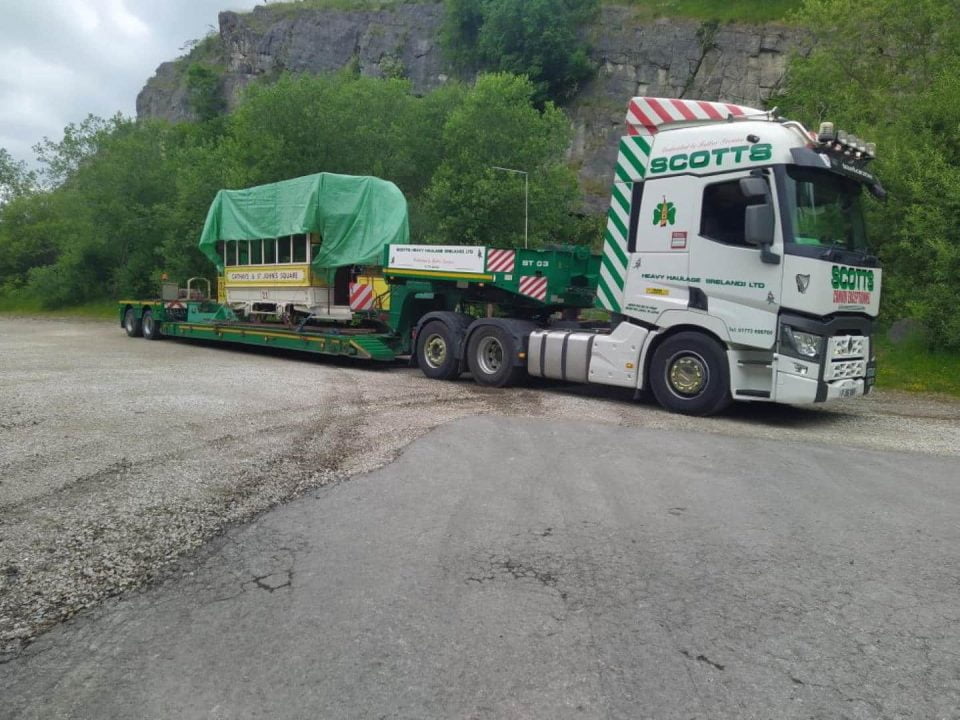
735	260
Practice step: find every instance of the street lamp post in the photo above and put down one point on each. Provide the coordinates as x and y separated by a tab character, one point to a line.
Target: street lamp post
526	199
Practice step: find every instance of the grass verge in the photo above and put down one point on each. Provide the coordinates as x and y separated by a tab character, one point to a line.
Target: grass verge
99	310
911	366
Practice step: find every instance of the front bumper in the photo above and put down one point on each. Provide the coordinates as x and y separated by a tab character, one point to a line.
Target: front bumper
846	366
798	390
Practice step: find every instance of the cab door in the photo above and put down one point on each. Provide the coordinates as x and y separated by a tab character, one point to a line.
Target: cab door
741	289
663	216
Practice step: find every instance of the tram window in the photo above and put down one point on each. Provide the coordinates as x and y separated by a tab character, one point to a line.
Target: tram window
283	249
256	252
299	248
243	253
270	251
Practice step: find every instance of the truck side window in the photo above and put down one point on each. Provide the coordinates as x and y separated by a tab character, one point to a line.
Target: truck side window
722	216
635	200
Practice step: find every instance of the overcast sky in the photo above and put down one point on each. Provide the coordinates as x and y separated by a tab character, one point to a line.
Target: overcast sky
63	59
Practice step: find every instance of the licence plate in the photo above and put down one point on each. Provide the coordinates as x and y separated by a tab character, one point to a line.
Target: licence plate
848	392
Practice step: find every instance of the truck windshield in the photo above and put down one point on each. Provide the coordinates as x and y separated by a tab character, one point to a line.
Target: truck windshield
824	210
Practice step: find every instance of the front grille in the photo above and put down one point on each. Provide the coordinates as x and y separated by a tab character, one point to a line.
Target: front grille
845	369
847	346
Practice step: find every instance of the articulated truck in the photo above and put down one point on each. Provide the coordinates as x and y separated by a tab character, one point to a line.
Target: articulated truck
735	267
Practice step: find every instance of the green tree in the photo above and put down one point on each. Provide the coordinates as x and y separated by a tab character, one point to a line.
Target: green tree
16	180
203	83
468	201
890	72
340	123
98	233
536	38
80	143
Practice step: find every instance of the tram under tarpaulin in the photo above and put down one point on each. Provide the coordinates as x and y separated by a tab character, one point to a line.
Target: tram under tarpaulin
295	247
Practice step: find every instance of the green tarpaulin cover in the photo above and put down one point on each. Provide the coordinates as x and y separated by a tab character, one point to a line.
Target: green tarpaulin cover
355	216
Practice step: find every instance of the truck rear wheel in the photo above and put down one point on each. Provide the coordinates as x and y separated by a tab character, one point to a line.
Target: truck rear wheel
151	328
132	324
689	374
491	353
436	353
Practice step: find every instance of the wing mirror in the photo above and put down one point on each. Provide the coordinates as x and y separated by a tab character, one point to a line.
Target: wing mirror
754	187
759	222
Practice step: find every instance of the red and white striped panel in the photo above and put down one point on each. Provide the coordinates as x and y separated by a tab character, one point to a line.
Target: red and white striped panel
535	287
501	260
645	115
361	297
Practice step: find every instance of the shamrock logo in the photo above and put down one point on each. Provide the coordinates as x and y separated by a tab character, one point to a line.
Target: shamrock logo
664	213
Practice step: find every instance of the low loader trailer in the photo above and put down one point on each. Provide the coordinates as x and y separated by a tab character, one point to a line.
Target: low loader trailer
735	266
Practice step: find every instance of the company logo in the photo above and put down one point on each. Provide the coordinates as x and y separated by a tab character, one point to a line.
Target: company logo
803	282
761	152
664	213
851	286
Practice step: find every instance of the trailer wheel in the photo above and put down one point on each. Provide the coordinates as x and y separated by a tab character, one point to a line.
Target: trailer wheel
490	353
151	328
132	324
689	375
436	352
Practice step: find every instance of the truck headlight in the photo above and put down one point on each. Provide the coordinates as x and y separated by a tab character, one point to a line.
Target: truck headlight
803	343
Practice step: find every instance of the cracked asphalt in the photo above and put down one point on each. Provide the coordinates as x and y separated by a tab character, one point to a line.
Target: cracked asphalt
516	568
775	562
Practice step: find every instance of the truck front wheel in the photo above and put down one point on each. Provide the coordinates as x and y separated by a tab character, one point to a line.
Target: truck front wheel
689	374
435	352
491	353
132	324
151	328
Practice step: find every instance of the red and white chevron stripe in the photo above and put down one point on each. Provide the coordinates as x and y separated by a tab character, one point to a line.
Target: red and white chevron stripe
535	287
361	297
645	115
500	260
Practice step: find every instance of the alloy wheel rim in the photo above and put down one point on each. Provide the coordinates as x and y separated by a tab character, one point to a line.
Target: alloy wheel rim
435	351
490	355
687	375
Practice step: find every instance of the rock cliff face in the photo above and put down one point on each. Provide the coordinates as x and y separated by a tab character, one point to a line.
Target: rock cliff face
673	58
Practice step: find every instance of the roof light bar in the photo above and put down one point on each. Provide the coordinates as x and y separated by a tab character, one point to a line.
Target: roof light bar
846	144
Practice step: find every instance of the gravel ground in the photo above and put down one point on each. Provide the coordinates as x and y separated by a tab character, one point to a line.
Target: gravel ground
118	456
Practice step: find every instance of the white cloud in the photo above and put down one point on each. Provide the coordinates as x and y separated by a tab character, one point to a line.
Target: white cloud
125	21
61	60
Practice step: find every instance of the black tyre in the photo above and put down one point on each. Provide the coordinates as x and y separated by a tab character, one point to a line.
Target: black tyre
132	324
689	374
491	353
436	351
151	327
